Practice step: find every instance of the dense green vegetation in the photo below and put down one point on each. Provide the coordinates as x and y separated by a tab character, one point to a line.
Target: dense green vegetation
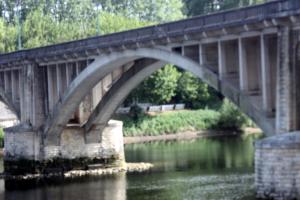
228	117
199	7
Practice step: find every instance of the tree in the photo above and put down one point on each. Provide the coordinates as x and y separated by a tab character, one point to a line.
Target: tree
160	87
196	7
8	35
145	10
39	30
192	91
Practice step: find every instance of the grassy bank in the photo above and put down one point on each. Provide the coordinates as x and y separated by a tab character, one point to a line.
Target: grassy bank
227	117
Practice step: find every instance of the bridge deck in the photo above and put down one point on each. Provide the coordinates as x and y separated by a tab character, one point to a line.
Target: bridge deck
160	33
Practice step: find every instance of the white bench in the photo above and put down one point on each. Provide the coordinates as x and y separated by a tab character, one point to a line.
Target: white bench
154	108
167	107
179	106
123	110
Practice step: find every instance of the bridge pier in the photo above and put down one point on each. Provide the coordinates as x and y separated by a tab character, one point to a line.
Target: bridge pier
25	151
277	167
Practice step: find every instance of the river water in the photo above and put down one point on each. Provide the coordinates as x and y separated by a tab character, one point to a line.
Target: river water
216	169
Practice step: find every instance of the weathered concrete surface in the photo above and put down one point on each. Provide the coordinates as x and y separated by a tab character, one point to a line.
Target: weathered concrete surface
96	71
120	90
24	149
21	142
277	167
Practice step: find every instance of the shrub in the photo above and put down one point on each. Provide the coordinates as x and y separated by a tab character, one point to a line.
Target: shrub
231	117
136	113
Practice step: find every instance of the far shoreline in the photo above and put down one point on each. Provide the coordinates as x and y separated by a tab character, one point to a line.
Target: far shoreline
189	135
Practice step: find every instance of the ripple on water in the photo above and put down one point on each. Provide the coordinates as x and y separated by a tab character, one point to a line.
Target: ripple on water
212	187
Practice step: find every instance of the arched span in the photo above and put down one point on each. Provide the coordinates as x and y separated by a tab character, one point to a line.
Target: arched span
117	94
102	66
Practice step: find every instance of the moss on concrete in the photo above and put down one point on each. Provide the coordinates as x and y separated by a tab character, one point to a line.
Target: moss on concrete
57	165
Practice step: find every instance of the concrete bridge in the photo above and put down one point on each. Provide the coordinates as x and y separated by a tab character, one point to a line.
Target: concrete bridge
65	94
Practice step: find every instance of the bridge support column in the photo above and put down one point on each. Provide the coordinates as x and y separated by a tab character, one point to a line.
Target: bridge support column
287	99
25	151
277	167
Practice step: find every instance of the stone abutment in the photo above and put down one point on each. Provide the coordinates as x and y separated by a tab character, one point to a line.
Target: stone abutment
277	167
25	152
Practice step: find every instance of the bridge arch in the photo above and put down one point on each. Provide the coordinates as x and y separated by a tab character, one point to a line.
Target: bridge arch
104	65
117	94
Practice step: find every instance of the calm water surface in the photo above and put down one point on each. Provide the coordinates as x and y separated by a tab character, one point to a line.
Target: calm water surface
201	169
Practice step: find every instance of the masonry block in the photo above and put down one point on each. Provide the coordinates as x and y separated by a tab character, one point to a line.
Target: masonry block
277	167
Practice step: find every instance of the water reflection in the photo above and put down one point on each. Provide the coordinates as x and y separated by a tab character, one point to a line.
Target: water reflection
106	188
205	169
204	156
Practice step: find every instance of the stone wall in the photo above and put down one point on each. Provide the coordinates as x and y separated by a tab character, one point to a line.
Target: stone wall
277	167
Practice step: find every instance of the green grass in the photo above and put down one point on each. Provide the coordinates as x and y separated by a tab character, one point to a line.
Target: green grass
172	122
228	117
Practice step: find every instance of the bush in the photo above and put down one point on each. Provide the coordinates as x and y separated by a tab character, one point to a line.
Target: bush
231	117
136	113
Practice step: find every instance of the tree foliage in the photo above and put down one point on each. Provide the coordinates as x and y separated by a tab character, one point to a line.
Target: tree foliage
231	117
201	7
192	91
160	87
8	35
145	10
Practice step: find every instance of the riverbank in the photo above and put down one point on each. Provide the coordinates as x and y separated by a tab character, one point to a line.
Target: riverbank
189	135
139	124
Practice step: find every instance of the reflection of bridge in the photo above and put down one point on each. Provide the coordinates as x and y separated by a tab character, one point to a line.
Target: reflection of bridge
249	55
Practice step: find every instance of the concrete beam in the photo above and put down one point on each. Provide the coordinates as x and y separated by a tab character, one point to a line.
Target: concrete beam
59	82
284	99
221	61
68	73
21	91
7	82
201	61
2	80
34	95
15	86
242	66
265	73
50	84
